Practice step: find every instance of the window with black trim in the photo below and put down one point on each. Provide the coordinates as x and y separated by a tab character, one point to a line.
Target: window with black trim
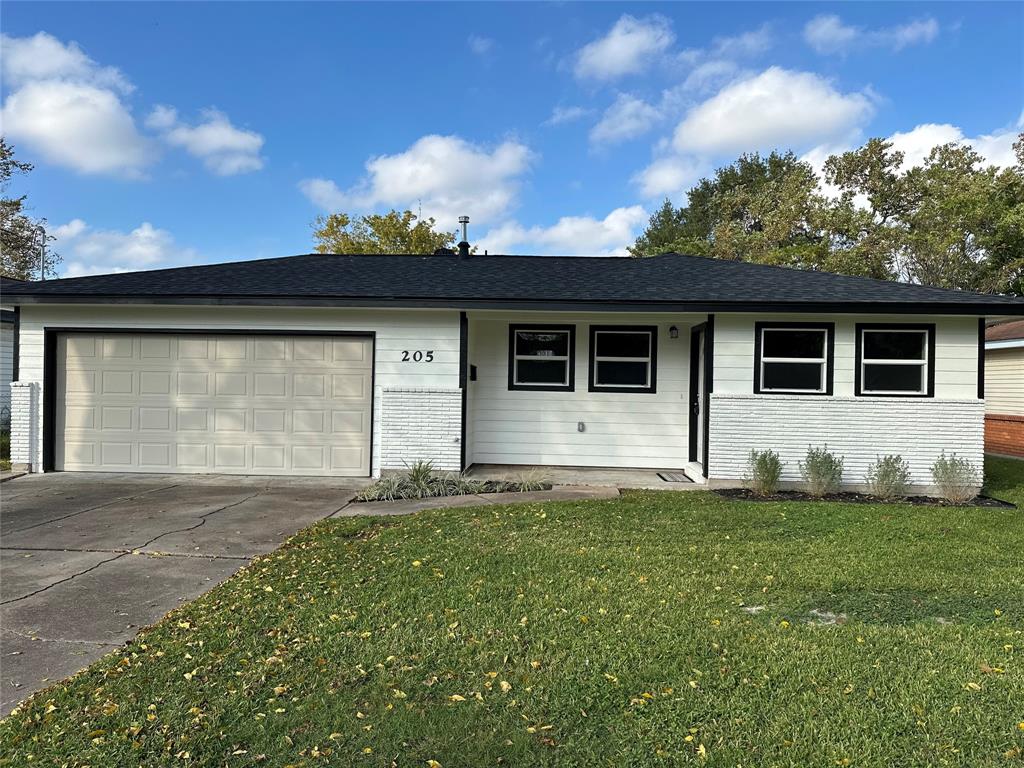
793	358
895	360
541	357
623	358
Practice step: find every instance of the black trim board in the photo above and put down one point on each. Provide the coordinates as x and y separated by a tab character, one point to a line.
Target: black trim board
512	386
463	383
50	335
817	307
859	354
592	353
830	354
709	385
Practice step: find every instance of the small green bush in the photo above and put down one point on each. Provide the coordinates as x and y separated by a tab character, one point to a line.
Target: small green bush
956	478
889	477
764	469
822	471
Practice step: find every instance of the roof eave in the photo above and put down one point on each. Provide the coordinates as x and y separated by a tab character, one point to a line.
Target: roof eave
835	307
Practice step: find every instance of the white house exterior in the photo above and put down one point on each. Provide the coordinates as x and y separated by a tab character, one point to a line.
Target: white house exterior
668	363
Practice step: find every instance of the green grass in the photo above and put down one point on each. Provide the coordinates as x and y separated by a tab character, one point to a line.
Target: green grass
590	633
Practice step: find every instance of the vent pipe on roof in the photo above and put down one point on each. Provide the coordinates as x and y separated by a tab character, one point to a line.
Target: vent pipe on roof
464	245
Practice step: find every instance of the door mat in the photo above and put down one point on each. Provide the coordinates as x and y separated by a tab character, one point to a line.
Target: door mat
674	477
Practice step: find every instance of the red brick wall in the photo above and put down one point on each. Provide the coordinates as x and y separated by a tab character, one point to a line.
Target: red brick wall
1004	434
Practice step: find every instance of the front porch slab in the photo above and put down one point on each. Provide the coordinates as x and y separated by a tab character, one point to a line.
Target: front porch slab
591	476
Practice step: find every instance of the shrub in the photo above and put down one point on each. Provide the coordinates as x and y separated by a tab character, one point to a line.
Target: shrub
420	481
387	488
765	469
822	471
456	484
531	480
956	478
889	477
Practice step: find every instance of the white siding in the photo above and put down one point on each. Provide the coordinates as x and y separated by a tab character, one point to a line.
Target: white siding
956	351
6	368
396	332
857	428
630	429
1004	381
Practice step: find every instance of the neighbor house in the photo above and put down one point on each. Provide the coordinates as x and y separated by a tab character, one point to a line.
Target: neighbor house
353	365
1004	388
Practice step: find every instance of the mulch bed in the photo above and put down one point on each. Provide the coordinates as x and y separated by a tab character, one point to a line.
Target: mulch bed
849	497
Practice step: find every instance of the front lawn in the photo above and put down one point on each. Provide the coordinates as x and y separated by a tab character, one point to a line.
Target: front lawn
656	629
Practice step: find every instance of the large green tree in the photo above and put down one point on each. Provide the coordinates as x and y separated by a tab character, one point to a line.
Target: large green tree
23	239
391	232
952	221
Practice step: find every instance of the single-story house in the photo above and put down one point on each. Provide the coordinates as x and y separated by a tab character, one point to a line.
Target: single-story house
354	365
1004	388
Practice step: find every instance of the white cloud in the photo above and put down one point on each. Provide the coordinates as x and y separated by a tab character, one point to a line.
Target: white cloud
996	148
224	149
562	115
480	45
80	126
752	43
916	144
828	34
570	235
44	57
670	176
710	75
68	109
630	46
776	108
89	251
446	175
627	118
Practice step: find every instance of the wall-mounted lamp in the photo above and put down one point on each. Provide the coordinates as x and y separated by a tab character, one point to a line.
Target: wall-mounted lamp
673	332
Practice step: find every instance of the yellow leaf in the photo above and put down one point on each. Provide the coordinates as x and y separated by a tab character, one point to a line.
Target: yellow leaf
416	563
506	686
433	764
456	697
972	687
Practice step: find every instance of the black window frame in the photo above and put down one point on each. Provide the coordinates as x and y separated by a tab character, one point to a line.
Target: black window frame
652	387
513	329
830	356
929	366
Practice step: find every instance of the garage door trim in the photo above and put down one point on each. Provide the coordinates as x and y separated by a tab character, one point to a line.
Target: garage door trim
50	334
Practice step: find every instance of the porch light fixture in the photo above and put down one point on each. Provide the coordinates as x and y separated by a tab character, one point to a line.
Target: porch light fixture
673	332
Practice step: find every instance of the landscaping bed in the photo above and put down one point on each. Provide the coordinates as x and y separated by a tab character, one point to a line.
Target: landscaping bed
653	629
422	481
850	497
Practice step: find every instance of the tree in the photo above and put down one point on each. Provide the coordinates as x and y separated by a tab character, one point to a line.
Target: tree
392	232
951	222
22	238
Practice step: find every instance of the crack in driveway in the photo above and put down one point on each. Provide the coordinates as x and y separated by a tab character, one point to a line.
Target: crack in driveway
202	520
93	509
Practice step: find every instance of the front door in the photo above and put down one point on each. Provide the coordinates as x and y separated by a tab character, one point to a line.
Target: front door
698	395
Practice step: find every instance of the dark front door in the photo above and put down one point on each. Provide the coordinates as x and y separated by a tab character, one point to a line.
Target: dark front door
698	396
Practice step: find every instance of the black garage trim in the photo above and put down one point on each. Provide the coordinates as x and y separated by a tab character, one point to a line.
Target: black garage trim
50	335
463	382
709	385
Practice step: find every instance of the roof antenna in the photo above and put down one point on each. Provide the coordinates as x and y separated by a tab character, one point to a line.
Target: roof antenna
464	245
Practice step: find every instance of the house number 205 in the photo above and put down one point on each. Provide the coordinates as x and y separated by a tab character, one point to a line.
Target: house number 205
418	356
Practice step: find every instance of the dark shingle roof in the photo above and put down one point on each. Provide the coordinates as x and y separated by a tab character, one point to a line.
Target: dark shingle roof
668	281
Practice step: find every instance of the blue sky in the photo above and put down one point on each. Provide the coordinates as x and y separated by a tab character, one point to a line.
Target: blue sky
168	134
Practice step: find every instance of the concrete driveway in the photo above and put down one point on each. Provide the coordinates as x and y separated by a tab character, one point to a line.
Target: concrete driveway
86	560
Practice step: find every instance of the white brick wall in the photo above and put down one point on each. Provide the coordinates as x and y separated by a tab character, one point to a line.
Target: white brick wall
859	429
26	448
421	424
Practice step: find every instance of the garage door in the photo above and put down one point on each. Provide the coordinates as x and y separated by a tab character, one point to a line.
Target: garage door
273	405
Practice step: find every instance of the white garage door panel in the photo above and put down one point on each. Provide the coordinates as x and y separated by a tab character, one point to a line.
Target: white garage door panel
196	403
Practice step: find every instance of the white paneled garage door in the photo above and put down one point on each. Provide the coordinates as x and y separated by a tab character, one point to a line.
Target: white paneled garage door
238	404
